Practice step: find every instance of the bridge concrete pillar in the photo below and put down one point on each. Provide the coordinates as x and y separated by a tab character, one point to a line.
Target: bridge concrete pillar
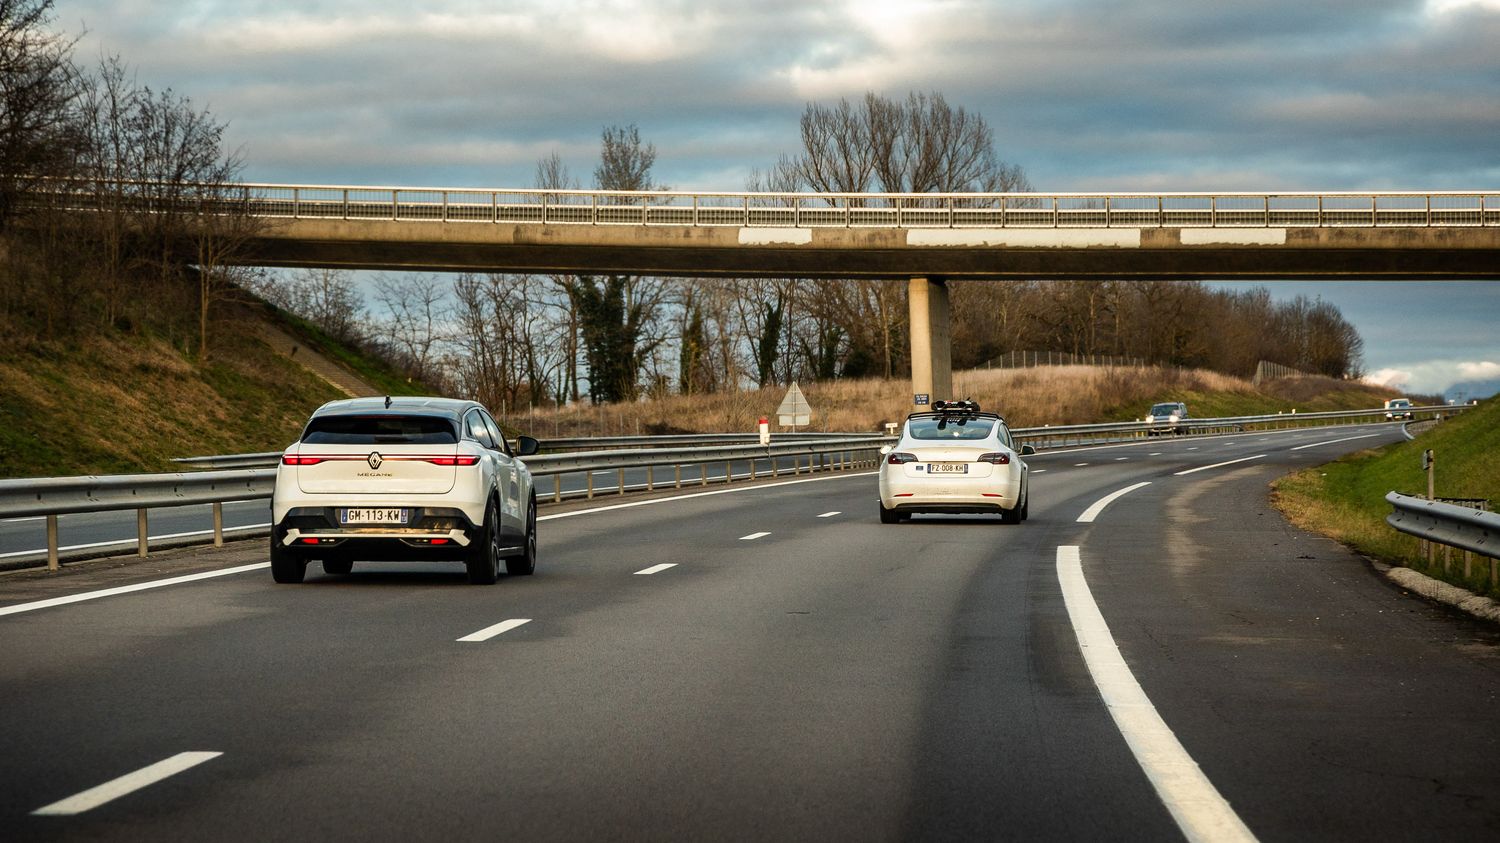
931	343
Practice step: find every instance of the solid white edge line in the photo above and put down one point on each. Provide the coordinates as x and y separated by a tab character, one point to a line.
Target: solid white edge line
1333	441
753	536
127	589
1098	506
491	631
1216	465
655	569
126	784
1200	810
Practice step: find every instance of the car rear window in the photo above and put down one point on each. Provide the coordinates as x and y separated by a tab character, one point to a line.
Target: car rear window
950	429
380	430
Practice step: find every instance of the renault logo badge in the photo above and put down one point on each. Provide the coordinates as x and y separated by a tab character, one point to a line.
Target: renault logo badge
375	460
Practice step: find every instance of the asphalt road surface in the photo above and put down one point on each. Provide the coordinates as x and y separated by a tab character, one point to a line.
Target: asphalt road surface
770	662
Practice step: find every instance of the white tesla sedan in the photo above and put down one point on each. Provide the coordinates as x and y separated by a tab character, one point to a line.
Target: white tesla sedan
403	479
954	459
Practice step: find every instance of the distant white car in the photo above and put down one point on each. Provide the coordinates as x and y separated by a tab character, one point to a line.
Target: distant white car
403	479
1398	408
954	459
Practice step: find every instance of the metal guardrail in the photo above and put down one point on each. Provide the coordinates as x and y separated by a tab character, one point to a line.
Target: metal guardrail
810	210
1079	434
268	459
64	495
54	496
51	497
1054	435
1470	530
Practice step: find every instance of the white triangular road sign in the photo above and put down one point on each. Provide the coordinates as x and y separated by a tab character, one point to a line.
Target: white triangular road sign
794	410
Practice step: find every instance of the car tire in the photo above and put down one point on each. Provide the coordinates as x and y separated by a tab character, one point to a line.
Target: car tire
483	557
338	566
1026	505
888	516
286	567
1012	515
524	563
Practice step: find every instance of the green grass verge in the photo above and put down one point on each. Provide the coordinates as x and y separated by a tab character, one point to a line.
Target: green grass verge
1345	500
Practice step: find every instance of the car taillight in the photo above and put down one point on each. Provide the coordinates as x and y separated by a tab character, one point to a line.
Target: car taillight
898	458
461	460
292	459
996	458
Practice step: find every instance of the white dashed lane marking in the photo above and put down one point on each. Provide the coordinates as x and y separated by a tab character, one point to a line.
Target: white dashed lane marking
1098	506
830	514
491	631
753	536
125	785
656	569
1218	465
1335	441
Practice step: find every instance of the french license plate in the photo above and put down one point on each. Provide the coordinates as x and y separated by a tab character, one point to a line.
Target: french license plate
948	468
372	516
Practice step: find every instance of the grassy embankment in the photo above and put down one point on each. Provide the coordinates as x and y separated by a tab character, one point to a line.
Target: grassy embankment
1346	499
129	404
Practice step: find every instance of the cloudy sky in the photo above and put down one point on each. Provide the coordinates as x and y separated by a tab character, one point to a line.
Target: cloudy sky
1085	95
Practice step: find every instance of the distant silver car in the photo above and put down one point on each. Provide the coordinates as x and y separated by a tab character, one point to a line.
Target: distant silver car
403	479
1167	414
1398	408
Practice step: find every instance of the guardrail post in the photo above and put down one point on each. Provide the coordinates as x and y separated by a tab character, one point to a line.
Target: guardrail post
140	532
218	523
752	468
622	481
557	488
677	472
728	472
703	473
590	476
52	542
650	478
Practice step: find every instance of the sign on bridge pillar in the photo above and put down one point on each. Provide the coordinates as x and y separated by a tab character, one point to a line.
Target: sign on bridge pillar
931	345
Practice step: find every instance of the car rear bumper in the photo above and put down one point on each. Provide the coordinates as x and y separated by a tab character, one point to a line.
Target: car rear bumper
429	532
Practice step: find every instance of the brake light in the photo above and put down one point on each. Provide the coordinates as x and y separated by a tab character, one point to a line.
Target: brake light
996	458
460	460
292	459
898	458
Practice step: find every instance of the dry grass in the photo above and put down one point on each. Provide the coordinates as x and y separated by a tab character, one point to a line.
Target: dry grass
1026	397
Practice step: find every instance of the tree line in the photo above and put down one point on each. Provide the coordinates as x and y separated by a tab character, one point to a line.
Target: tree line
159	250
117	205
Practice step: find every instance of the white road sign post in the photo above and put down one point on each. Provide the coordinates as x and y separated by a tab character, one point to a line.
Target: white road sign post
794	409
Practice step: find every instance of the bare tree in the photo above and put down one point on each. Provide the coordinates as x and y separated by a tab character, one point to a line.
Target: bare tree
38	90
418	308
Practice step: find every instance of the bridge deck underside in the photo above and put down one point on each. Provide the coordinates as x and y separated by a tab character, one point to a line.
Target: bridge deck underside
1165	253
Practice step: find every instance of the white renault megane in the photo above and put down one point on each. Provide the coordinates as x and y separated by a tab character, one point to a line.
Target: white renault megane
954	459
403	479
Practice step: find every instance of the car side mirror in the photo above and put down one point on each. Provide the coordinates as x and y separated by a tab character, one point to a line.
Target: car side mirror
885	449
526	446
1027	450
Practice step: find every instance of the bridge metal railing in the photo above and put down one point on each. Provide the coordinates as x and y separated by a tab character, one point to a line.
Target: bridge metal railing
805	210
1470	529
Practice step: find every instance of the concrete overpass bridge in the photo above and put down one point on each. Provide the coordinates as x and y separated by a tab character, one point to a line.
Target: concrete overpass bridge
927	239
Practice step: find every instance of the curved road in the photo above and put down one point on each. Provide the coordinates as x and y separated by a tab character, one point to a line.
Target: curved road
798	671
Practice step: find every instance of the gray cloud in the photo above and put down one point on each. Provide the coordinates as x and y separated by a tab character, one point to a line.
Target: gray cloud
1084	94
